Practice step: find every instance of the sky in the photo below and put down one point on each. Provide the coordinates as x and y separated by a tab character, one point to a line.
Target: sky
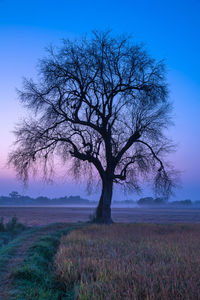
169	29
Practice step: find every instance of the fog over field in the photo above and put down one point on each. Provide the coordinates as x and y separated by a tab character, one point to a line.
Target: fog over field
15	199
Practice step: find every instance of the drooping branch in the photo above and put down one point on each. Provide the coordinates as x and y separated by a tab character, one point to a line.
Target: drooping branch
165	181
96	100
154	154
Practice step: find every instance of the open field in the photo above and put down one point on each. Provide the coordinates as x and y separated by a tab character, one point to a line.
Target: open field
32	216
131	262
83	261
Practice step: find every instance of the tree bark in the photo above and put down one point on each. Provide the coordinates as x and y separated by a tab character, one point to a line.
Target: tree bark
103	211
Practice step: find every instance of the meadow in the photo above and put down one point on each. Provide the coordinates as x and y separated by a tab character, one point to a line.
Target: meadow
83	261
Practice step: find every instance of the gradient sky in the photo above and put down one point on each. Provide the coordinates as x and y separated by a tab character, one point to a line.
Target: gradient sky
169	29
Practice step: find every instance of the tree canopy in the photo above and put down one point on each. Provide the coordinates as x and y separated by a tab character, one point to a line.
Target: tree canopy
102	103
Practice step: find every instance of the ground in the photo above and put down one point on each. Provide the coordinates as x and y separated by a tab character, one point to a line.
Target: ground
27	265
32	216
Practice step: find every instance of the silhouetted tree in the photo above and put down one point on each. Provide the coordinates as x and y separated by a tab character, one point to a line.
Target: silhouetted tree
101	102
14	195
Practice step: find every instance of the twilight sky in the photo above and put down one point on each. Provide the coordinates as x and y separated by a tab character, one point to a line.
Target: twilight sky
169	29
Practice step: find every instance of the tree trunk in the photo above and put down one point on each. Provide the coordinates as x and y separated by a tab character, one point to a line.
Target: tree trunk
103	211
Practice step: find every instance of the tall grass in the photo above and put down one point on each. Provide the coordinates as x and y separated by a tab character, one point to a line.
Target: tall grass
131	261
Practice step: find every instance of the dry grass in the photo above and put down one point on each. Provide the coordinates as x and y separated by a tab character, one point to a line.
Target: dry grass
131	261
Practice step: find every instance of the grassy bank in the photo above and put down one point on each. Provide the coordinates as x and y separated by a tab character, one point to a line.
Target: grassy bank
34	278
131	261
12	234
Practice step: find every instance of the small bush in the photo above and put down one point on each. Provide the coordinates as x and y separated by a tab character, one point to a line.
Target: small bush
2	226
11	225
14	225
9	231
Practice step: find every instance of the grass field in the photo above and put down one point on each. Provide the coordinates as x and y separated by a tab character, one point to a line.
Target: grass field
82	261
131	261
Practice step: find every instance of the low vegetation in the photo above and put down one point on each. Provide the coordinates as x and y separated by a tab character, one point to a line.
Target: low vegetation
12	235
34	278
9	230
130	261
99	262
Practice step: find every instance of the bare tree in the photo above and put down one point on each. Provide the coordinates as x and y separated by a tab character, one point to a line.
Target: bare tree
103	103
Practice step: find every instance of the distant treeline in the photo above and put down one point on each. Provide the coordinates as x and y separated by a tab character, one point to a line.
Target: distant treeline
15	198
149	201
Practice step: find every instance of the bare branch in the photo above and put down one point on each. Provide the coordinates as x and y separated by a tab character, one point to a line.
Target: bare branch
101	103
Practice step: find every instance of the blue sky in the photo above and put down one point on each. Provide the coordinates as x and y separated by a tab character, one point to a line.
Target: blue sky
169	29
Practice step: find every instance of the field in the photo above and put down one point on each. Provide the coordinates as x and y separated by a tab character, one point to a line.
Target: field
154	258
32	216
131	261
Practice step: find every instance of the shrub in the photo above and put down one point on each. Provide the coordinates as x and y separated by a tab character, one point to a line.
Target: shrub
11	226
2	226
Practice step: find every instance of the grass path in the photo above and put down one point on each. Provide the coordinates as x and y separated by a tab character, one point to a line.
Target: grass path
18	251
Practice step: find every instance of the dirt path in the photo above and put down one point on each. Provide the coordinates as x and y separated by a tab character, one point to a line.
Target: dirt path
19	256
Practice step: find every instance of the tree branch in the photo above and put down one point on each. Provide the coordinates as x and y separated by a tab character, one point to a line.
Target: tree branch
153	153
